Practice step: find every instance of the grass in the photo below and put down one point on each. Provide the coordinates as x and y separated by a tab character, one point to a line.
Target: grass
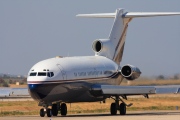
156	102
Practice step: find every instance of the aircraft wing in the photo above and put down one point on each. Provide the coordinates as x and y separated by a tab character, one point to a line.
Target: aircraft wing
14	92
134	90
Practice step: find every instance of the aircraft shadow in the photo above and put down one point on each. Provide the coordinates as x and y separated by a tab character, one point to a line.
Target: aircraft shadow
128	114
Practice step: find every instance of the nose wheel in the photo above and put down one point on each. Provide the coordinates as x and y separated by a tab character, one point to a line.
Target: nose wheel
48	111
54	111
42	112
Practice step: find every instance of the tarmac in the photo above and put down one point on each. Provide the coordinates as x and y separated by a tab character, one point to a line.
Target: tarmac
138	115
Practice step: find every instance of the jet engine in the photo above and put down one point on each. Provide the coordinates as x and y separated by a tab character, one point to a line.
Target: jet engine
97	46
103	47
130	72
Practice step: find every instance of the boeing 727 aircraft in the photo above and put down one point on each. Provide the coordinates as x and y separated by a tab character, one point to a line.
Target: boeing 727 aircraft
60	80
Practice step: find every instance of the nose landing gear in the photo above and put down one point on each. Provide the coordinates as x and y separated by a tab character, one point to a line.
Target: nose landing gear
42	112
54	110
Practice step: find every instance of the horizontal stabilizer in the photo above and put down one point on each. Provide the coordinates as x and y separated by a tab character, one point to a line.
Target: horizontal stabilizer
129	14
149	14
98	15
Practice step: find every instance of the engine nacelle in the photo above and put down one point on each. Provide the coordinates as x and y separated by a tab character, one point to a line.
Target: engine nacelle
130	72
103	47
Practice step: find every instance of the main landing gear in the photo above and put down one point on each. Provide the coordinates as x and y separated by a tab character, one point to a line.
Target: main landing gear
54	110
116	106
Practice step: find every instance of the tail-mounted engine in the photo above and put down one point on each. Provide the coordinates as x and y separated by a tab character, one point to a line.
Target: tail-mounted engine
103	47
97	46
130	72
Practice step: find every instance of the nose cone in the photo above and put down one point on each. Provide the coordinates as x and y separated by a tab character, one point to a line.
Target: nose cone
36	87
33	86
39	77
34	90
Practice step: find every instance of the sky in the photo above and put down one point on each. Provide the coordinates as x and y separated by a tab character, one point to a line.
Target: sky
34	30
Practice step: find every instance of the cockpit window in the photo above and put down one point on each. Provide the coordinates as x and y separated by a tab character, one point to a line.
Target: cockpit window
41	73
50	74
33	74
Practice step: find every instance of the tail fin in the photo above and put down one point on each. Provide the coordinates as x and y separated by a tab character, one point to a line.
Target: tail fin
118	33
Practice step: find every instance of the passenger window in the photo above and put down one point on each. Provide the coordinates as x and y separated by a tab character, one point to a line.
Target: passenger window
41	73
33	74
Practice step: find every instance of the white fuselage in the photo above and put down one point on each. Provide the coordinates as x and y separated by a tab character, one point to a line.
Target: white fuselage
89	78
54	79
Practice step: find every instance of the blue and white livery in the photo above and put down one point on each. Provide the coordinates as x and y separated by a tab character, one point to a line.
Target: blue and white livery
60	80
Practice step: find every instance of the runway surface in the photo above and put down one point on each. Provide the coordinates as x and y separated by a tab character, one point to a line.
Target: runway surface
140	115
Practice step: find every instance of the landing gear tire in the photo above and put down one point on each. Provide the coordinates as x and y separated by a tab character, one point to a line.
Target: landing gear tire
54	110
41	112
63	109
122	110
113	109
49	112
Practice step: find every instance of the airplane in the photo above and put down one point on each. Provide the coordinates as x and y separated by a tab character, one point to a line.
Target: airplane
56	81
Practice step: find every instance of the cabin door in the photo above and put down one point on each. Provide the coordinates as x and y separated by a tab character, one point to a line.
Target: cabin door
62	71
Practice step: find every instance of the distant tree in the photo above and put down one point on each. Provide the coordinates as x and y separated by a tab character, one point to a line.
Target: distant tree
5	84
176	76
1	81
161	77
10	81
13	81
24	80
6	76
21	83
